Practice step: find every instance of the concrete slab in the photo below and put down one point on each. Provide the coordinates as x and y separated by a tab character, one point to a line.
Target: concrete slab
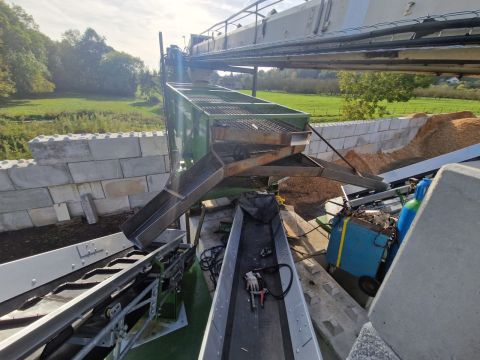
153	143
89	208
24	199
75	208
15	221
43	216
112	206
157	182
61	211
95	170
114	146
94	188
148	165
124	187
5	182
30	175
370	346
64	193
141	199
427	306
60	148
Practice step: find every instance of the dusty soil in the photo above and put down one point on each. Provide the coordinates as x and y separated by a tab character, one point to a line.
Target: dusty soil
27	242
441	134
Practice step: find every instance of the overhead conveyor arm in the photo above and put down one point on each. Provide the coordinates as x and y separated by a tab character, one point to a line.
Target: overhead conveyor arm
429	36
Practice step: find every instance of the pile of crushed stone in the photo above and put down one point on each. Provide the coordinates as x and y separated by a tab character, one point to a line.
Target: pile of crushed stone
441	134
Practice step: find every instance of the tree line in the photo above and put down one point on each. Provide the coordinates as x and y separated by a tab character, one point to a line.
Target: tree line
30	62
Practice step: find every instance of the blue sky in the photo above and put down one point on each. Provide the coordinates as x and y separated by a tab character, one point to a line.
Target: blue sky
132	25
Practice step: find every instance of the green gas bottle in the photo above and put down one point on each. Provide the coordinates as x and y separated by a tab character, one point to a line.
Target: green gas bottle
410	209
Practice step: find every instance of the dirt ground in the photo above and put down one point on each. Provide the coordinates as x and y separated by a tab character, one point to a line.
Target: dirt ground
441	134
27	242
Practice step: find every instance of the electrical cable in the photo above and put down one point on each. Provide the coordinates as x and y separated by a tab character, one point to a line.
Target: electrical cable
211	260
276	268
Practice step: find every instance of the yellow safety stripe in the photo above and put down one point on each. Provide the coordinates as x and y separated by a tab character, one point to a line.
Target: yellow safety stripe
342	240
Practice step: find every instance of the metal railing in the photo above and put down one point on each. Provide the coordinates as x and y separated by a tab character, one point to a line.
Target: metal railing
251	10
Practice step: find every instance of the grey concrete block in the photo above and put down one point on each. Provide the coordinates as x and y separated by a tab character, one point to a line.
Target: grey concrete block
332	131
75	208
61	211
400	123
95	170
141	199
337	143
89	208
143	166
157	182
64	193
123	187
5	182
387	135
65	148
373	127
384	124
361	127
363	139
348	129
153	143
114	146
15	221
112	205
427	306
315	147
350	142
370	346
30	175
94	188
24	199
43	216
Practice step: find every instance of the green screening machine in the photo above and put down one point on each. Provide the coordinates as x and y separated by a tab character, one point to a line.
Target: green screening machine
223	142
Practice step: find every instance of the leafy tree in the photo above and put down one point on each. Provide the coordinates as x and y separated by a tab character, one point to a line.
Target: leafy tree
119	73
149	83
7	87
24	51
363	93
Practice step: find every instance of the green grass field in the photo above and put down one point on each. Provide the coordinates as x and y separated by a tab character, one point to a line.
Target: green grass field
328	108
23	119
68	103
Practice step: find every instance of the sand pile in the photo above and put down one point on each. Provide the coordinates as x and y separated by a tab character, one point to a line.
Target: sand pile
441	134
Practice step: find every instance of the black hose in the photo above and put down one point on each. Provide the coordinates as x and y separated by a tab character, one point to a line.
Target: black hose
275	268
211	260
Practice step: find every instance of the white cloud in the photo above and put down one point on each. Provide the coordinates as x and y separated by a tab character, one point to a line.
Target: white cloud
132	25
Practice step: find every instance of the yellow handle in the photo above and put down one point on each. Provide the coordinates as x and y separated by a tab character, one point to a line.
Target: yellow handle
342	241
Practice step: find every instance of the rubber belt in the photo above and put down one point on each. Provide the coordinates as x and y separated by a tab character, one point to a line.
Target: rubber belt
342	241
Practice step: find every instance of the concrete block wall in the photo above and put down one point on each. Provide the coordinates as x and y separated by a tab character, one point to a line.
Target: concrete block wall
364	137
121	171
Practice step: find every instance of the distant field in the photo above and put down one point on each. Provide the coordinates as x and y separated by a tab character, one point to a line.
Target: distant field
327	108
74	103
22	120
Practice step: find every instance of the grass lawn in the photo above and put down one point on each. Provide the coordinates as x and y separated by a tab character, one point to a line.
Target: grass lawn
59	103
328	108
22	120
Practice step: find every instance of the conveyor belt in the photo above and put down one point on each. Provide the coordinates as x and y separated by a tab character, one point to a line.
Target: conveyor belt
280	330
69	319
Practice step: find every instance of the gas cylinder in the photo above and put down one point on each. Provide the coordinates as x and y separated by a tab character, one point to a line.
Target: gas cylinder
405	219
410	209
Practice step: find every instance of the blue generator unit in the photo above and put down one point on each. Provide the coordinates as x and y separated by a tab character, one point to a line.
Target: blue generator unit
356	246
